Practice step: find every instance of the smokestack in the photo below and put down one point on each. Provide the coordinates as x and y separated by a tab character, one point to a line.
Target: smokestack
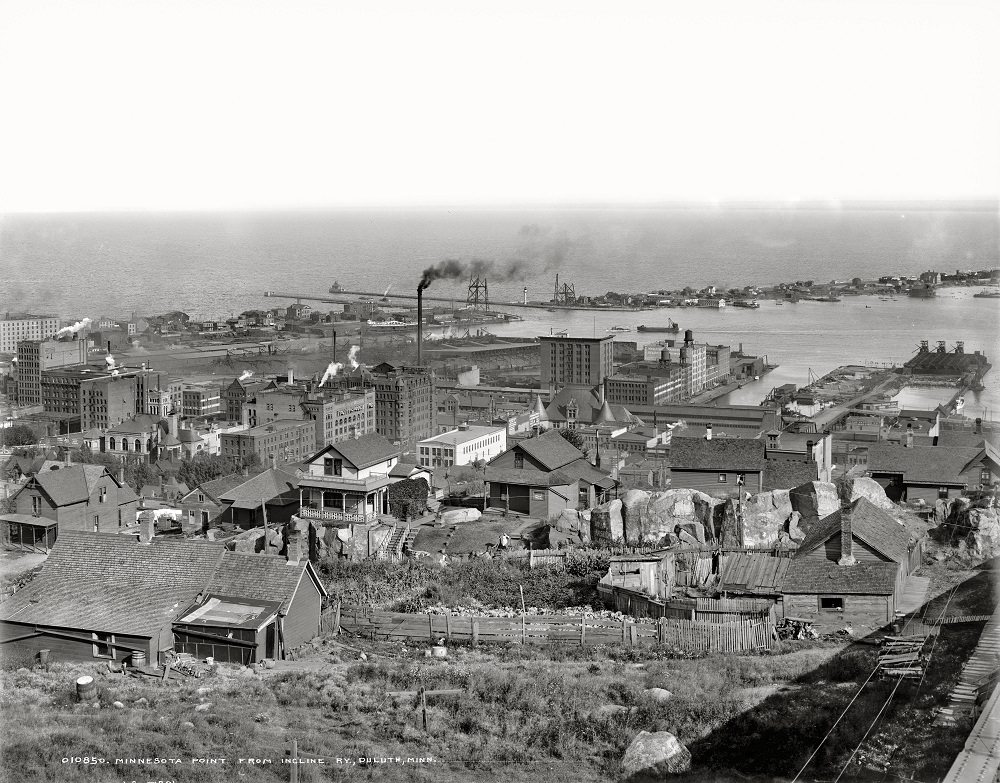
846	541
335	345
809	450
420	324
708	432
147	527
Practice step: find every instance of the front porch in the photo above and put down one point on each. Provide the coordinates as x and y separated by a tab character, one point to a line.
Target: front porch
343	505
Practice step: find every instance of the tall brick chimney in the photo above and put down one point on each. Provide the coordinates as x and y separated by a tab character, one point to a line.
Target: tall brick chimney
147	527
846	541
293	550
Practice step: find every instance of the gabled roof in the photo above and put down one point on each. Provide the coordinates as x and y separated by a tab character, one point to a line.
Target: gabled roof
824	576
216	488
786	474
261	577
550	449
925	464
588	406
719	454
870	524
753	572
263	487
364	451
70	484
140	423
527	477
112	583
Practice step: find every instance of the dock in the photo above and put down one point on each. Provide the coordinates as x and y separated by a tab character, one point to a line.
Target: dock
331	299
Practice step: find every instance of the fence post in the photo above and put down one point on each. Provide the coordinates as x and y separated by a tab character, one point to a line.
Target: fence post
531	558
336	621
295	758
623	630
430	627
447	626
475	631
583	629
524	631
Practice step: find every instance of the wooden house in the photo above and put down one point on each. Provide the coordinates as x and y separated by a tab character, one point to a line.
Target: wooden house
78	497
851	569
930	473
274	492
720	467
545	475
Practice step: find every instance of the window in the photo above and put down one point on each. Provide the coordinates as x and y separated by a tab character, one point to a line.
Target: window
518	460
338	467
102	495
103	645
943	493
97	524
36	505
984	477
831	603
723	478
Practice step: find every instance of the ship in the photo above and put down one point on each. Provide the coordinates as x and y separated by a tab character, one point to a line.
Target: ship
392	325
984	294
670	327
752	303
619	329
925	291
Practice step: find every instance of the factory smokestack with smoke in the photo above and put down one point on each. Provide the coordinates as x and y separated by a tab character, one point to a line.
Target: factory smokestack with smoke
331	371
67	331
352	356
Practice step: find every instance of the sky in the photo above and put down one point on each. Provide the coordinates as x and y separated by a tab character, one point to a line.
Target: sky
212	104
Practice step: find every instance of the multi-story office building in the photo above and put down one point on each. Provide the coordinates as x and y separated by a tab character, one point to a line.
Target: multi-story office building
239	392
582	361
282	441
341	415
15	327
34	356
404	405
201	399
462	446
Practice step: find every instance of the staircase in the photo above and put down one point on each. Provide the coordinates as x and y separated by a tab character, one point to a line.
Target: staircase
392	545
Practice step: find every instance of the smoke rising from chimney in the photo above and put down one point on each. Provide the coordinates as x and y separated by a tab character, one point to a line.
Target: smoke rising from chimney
67	330
246	374
352	356
331	371
110	361
533	257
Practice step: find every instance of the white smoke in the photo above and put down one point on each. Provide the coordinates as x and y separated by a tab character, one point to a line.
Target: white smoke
246	374
114	373
331	371
110	361
386	292
352	356
74	328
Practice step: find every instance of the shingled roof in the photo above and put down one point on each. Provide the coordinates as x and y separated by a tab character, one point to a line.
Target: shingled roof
270	484
261	577
870	524
927	464
719	454
785	474
71	483
825	576
113	583
364	451
550	449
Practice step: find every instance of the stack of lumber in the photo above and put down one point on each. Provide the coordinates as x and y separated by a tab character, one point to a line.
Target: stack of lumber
902	656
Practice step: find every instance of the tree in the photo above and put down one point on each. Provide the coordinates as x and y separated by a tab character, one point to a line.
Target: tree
203	468
18	435
408	498
573	438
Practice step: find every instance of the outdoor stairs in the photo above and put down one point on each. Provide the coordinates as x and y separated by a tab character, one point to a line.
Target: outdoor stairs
411	536
396	539
979	675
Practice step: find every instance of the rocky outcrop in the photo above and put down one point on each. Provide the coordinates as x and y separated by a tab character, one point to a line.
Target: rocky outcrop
851	488
815	500
764	519
976	526
654	754
459	515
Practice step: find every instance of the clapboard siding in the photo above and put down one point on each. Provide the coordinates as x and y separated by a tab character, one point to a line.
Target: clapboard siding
859	610
302	621
62	648
830	550
708	482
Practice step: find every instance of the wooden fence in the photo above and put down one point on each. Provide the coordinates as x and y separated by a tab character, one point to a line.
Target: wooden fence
744	635
706	610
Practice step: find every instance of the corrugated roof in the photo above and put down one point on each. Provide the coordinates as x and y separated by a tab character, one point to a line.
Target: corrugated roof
112	583
824	576
722	454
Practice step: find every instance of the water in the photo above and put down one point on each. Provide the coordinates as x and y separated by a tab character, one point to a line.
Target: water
213	265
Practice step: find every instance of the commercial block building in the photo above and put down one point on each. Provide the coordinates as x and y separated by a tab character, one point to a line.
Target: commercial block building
281	441
201	399
34	356
462	446
581	361
15	327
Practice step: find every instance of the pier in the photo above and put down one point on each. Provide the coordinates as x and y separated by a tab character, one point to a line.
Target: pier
450	299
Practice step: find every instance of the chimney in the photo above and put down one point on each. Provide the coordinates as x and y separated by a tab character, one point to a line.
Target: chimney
420	323
335	345
293	549
291	375
708	432
121	475
846	542
274	461
979	426
909	438
809	450
147	527
172	419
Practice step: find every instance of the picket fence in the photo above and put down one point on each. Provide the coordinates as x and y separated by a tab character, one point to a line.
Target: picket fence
747	634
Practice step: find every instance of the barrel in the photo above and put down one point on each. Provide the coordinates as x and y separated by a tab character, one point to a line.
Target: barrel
138	659
439	651
43	657
600	527
86	689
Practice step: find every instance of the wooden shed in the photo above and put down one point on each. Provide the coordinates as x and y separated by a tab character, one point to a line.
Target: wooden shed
230	630
851	569
25	533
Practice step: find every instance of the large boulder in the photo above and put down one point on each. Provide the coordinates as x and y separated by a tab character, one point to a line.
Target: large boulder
689	508
764	518
655	754
850	488
634	503
975	526
615	509
815	500
457	516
